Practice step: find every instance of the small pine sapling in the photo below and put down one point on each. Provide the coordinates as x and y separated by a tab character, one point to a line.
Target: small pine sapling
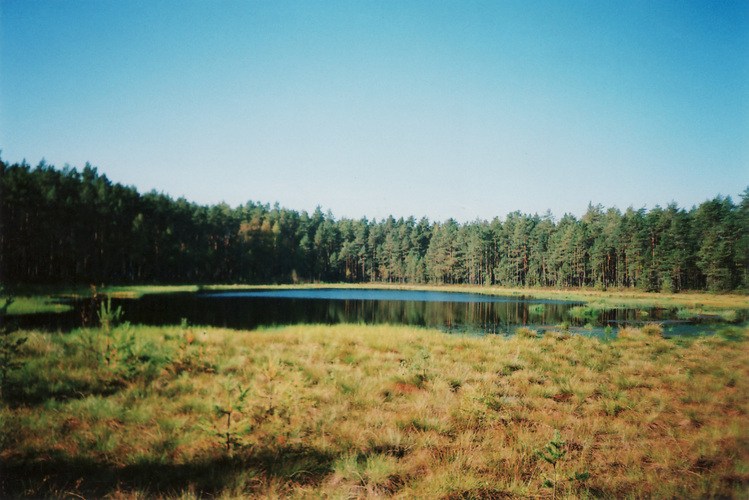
235	404
109	317
553	453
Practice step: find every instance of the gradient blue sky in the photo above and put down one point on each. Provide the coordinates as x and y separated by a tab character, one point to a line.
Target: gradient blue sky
440	109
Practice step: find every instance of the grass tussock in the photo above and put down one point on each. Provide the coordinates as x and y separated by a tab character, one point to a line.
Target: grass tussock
353	411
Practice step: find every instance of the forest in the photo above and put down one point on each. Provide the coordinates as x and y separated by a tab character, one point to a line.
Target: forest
64	226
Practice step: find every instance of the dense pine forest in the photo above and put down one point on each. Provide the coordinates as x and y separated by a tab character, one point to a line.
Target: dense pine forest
70	227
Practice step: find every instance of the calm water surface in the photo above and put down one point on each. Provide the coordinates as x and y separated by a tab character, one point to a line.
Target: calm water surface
449	311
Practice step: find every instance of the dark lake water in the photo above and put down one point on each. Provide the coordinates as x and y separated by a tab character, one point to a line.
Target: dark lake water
449	311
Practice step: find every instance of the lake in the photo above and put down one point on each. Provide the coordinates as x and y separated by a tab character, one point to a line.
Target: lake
448	311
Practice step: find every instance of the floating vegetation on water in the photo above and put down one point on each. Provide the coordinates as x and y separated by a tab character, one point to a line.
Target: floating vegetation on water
729	315
137	291
584	312
591	310
537	309
34	305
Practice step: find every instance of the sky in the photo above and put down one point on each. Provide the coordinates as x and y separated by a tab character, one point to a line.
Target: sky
439	109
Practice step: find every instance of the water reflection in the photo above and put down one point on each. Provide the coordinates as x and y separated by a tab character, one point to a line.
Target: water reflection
453	312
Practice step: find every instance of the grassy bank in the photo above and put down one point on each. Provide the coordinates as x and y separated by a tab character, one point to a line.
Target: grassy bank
353	411
41	298
610	298
33	305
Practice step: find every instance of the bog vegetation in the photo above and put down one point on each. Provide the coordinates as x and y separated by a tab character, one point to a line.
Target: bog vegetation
355	411
65	226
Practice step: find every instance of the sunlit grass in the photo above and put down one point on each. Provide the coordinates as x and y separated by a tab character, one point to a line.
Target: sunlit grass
34	305
354	411
137	291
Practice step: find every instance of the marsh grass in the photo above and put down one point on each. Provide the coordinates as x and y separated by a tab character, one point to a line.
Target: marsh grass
525	332
585	312
688	302
354	411
134	292
34	305
729	315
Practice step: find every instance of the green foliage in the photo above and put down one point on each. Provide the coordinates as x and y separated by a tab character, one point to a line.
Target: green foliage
59	217
418	368
121	352
7	301
9	346
580	476
109	317
35	305
537	309
552	453
730	315
733	333
585	312
9	349
191	355
233	406
271	373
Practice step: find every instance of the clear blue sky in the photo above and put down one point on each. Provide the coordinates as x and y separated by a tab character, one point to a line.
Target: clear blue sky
440	109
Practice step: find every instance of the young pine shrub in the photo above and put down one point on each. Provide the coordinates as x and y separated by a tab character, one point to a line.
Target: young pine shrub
109	317
228	413
552	453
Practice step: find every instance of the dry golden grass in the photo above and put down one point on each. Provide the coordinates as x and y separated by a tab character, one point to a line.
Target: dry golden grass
352	411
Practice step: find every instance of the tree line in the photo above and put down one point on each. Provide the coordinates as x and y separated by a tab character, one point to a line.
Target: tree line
62	226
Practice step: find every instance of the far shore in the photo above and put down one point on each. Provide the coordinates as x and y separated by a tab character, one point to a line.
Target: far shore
41	294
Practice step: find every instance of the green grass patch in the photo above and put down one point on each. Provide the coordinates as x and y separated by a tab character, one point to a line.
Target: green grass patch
584	312
34	305
537	309
729	315
134	292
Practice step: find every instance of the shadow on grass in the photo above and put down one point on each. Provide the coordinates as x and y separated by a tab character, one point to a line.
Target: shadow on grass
35	388
208	478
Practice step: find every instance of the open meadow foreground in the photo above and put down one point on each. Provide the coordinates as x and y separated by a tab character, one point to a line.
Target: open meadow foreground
355	411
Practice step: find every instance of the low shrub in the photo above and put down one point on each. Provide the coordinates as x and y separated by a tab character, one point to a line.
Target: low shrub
526	333
652	330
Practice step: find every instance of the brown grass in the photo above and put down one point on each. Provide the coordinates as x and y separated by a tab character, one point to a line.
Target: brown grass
353	411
